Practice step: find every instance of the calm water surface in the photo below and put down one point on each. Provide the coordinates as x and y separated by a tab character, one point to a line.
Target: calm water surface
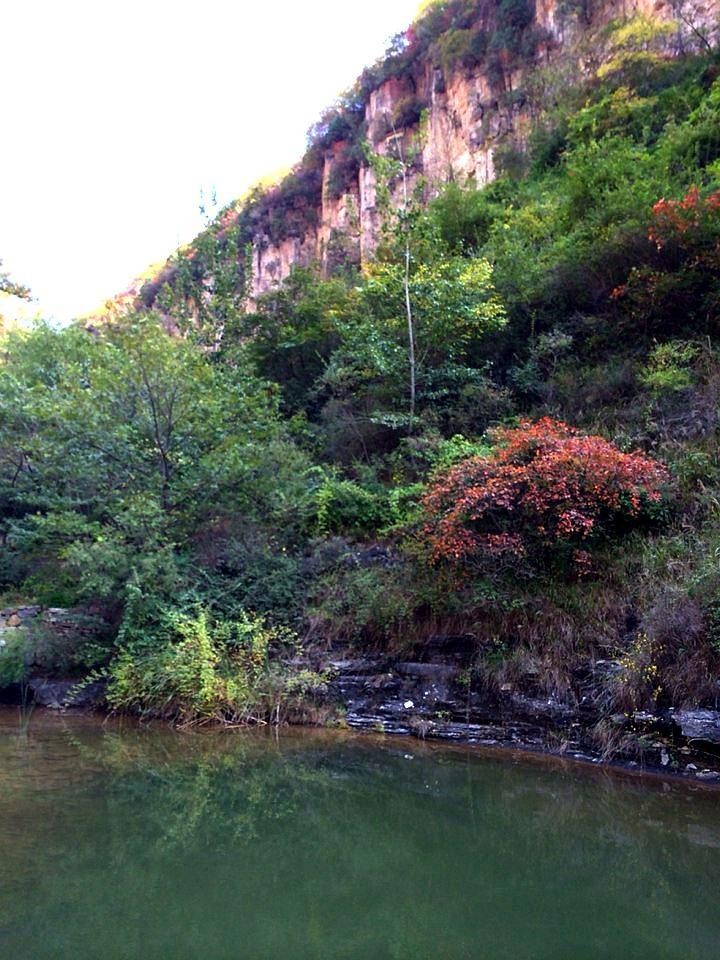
120	843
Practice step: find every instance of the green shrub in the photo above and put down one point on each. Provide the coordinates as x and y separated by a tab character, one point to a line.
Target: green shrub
407	112
669	367
533	377
197	669
546	145
248	571
510	160
15	656
458	448
343	506
344	171
69	645
464	215
460	48
364	603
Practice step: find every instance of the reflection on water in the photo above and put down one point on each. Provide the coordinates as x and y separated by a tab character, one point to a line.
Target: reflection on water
124	843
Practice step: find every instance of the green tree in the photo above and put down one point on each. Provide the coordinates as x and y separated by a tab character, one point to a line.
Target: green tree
421	307
11	288
207	282
116	448
294	330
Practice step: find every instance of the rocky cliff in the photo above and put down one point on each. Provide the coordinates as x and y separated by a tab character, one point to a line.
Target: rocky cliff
471	115
460	92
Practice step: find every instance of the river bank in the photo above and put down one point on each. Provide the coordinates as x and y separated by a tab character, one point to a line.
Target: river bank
439	701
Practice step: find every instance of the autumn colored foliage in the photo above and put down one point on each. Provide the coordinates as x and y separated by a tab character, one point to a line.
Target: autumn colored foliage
684	221
544	486
681	284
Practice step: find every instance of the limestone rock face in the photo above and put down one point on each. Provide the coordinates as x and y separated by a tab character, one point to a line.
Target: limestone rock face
470	115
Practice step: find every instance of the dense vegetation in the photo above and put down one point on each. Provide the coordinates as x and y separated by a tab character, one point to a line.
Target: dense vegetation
542	473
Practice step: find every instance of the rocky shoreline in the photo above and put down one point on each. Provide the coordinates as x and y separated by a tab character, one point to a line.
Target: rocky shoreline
437	700
439	696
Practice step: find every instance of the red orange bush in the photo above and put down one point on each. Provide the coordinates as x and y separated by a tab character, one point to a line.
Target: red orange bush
681	286
685	221
546	485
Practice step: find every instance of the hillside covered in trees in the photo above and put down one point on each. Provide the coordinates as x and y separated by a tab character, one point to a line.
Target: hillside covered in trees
485	407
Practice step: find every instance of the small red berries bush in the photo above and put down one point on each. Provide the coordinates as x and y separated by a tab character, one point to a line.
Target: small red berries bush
545	486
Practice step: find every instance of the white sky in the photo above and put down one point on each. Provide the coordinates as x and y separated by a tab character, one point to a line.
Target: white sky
117	113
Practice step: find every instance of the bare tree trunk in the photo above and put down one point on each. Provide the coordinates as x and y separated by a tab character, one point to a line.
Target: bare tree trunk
406	285
411	332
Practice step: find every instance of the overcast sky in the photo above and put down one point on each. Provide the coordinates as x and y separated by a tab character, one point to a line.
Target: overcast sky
116	115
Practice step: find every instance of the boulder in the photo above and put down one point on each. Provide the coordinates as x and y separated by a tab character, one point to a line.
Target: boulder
699	724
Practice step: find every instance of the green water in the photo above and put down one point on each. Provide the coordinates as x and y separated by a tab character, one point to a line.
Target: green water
119	842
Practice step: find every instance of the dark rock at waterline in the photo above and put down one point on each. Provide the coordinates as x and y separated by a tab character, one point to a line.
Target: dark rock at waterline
538	710
58	694
699	724
421	692
376	691
488	734
355	667
439	699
